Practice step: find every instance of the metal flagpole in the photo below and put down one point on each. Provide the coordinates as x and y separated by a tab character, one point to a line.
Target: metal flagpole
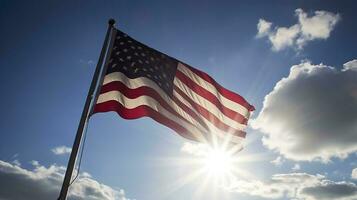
85	113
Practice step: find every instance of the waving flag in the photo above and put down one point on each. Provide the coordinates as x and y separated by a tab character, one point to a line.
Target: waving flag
140	81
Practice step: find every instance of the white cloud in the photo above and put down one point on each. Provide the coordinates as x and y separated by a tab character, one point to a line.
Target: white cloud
60	150
264	27
296	167
299	186
35	163
284	37
354	173
351	65
197	149
44	183
277	161
318	26
311	114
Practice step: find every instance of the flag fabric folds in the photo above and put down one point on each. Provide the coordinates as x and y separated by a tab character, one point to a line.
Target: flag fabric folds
140	81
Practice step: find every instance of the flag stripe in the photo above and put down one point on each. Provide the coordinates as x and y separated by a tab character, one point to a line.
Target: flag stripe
146	106
190	112
212	125
146	111
184	111
137	92
231	99
208	115
206	123
133	88
206	105
142	111
142	86
210	97
151	105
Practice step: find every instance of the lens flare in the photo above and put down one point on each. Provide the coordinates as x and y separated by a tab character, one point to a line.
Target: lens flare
218	162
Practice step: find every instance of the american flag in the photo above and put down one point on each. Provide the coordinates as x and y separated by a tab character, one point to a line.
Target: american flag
140	81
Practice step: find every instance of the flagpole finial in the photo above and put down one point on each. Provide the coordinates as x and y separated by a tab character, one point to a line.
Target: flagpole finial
111	22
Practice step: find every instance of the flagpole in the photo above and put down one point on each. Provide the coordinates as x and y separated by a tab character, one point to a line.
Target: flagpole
85	113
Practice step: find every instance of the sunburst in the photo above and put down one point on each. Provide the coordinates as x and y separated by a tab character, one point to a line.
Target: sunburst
212	168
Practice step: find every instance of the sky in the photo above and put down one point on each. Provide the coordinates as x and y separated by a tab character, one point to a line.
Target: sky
295	61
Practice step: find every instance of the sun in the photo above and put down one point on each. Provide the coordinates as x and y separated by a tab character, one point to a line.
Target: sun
217	162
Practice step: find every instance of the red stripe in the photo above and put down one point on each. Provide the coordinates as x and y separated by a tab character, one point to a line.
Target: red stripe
137	92
226	93
209	116
190	112
142	111
210	97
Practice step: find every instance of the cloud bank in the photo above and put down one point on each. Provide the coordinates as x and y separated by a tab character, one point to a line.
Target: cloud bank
43	183
317	26
312	113
298	186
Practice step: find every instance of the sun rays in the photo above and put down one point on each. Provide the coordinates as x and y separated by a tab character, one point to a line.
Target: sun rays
208	168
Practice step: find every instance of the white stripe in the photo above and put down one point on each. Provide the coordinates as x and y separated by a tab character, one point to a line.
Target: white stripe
208	105
143	81
211	88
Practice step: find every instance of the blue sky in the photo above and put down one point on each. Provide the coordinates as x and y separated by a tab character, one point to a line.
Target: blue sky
49	50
